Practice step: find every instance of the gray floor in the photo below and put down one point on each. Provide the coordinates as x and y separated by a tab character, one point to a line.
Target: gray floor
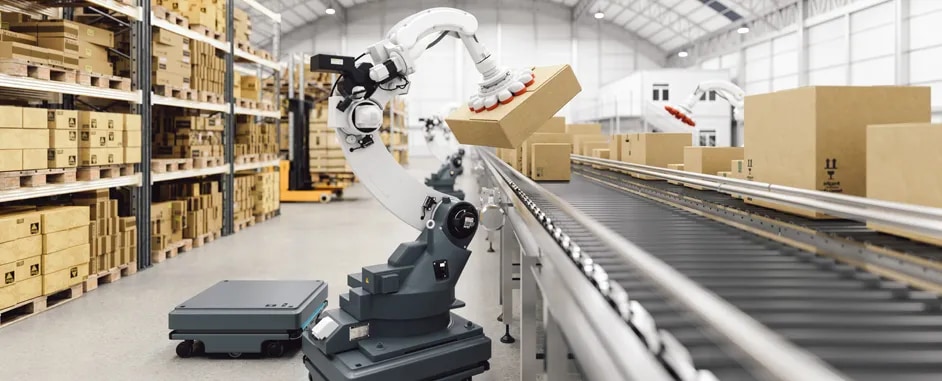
119	332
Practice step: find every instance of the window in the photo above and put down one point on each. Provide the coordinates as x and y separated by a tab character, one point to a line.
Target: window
708	138
661	92
712	96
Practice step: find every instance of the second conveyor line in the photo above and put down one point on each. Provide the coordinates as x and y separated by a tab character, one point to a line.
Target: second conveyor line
867	327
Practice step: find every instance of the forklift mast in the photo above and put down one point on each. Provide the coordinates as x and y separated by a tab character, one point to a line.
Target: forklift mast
300	173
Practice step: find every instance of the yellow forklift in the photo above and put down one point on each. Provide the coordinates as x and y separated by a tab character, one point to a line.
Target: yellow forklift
296	182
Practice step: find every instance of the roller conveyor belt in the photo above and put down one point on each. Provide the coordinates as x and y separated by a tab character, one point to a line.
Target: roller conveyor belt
866	327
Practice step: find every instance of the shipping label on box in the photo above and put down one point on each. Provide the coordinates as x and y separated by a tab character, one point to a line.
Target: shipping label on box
60	120
34	118
11	139
15	250
65	278
35	159
62	157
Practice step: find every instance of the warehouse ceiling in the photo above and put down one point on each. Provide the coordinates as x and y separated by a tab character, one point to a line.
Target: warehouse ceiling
668	24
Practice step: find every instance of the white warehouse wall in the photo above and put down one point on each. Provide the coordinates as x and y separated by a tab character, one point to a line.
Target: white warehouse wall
522	33
869	42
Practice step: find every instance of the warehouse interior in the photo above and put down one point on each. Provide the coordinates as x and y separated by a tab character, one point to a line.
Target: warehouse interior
452	190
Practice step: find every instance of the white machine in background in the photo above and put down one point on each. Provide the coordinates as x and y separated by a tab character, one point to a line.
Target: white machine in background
723	89
441	143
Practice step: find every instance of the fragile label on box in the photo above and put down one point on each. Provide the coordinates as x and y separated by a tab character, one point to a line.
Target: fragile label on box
62	119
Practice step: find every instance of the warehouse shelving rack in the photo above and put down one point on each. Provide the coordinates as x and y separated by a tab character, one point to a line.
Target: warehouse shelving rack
140	20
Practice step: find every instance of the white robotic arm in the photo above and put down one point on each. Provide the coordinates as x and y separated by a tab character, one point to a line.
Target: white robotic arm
725	89
364	88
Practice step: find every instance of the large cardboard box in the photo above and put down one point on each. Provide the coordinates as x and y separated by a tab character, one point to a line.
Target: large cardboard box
579	141
132	138
132	122
601	153
20	51
537	138
132	155
615	146
97	66
508	125
11	117
11	160
15	250
101	156
34	118
588	147
815	137
28	268
7	296
23	139
63	139
555	125
584	129
61	119
168	38
61	218
95	35
550	162
710	160
65	239
63	44
62	157
8	35
655	149
18	225
100	120
28	289
98	138
35	159
63	259
48	28
65	278
904	164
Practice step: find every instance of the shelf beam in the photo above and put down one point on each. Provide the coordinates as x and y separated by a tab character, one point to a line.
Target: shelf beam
276	17
199	172
266	114
256	59
166	25
168	101
251	166
133	12
33	84
78	186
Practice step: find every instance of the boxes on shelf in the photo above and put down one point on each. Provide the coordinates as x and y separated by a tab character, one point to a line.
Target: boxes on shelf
102	138
66	247
112	238
190	210
198	137
171	59
903	162
255	138
208	71
824	148
21	242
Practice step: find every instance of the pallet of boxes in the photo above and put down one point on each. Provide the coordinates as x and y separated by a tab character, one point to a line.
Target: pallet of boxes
326	158
171	65
243	195
190	216
109	144
32	151
186	142
266	195
208	73
255	140
112	239
44	254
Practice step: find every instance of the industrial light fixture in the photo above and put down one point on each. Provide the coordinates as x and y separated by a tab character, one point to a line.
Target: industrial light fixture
682	54
742	30
599	15
330	10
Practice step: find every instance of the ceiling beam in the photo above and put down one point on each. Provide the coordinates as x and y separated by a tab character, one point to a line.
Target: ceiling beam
582	7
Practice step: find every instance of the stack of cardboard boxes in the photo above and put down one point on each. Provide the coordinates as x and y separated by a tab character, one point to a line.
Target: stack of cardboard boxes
63	138
101	138
249	87
650	149
209	70
197	12
586	138
66	249
24	144
266	193
193	210
242	26
254	138
20	240
220	9
171	59
166	224
132	139
243	197
325	152
83	46
113	239
188	137
49	42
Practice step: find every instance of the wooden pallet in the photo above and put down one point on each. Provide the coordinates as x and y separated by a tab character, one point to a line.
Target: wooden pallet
207	162
109	276
104	172
103	81
171	16
246	159
206	238
267	156
176	92
243	224
247	103
171	250
264	217
244	45
35	178
23	68
43	303
266	106
208	97
170	165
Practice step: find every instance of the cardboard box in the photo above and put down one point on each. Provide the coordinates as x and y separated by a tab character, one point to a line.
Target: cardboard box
19	51
15	250
95	35
584	129
166	78
65	278
35	158
601	153
59	218
168	38
615	146
28	289
578	141
48	28
7	296
11	36
588	147
555	125
23	139
96	66
20	225
101	156
8	270
737	169
34	118
132	138
550	162
62	157
63	139
65	239
507	126
89	50
99	138
710	160
100	120
61	120
64	44
903	165
825	145
11	117
132	155
28	268
655	149
132	122
11	160
526	155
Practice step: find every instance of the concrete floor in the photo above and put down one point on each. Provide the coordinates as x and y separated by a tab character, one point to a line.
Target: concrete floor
119	332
